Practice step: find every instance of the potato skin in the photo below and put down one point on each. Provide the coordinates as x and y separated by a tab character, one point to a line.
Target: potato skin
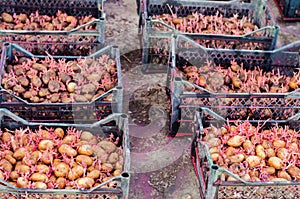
61	169
84	159
294	172
278	144
236	158
99	152
235	141
107	145
260	152
7	17
107	167
85	149
68	139
10	158
38	177
85	182
86	136
42	168
22	182
61	182
40	185
14	175
113	158
59	132
282	153
95	174
117	172
75	172
253	161
213	142
275	162
248	146
6	137
19	153
270	170
45	144
270	152
68	150
6	165
284	174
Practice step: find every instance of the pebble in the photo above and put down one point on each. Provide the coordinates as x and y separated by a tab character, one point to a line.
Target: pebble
186	196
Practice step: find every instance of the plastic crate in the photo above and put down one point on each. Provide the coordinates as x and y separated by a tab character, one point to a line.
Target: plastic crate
154	39
117	124
73	37
187	96
140	10
79	112
289	9
209	174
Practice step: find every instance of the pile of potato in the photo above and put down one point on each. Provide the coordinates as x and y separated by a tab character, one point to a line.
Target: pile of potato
253	153
56	158
36	22
214	24
60	81
236	79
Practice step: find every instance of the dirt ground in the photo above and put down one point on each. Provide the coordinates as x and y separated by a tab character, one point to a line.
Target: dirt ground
161	167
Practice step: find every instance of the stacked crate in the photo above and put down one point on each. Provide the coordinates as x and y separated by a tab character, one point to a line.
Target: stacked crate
157	34
186	95
101	115
216	181
115	127
219	107
80	112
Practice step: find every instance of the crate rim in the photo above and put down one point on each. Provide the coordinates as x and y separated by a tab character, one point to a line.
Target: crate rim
222	3
57	32
175	31
175	38
208	93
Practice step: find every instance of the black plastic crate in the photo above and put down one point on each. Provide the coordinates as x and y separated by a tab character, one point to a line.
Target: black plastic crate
78	35
155	38
79	112
186	97
289	9
210	174
115	124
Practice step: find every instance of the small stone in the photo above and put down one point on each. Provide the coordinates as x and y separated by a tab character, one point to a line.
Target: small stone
186	196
